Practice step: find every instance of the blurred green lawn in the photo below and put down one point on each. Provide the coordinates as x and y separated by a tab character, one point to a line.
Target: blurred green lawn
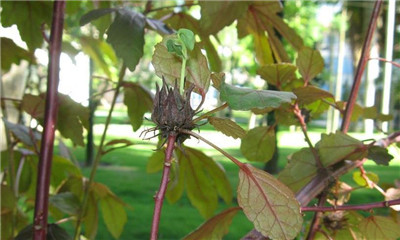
124	172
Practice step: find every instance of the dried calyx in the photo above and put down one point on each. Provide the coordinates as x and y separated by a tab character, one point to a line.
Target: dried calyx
172	112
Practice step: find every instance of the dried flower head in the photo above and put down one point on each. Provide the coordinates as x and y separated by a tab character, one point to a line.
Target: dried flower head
172	111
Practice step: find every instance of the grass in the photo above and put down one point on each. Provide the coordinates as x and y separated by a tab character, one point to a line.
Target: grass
124	172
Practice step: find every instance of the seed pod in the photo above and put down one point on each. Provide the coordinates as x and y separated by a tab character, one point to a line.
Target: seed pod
172	111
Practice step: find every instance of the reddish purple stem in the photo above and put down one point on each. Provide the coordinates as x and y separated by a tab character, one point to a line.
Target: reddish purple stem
362	207
50	119
159	198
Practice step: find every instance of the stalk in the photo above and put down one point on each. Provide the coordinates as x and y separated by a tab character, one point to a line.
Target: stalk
182	80
98	155
50	118
159	198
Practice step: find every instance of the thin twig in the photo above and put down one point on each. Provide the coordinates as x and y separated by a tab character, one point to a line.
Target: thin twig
297	113
385	60
360	207
233	159
159	198
98	155
207	114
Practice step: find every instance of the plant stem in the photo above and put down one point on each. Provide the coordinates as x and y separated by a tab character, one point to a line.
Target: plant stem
159	198
233	159
317	217
205	115
361	207
297	113
361	66
50	118
98	155
182	80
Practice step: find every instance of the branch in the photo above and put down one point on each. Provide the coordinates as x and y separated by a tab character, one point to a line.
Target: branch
392	138
361	66
314	227
98	155
361	207
385	60
50	118
159	198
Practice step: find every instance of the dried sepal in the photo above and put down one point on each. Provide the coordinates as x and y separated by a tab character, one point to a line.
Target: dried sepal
172	111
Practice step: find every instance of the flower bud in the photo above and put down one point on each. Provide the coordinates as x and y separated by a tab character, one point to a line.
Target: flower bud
172	111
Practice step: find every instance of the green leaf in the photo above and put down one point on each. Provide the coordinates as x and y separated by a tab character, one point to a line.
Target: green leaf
159	26
278	74
227	127
187	37
95	14
54	232
218	14
71	119
269	204
246	99
98	50
338	146
126	35
169	66
310	94
217	79
33	105
357	110
23	133
378	227
214	228
264	17
114	215
300	169
310	63
138	101
11	53
370	112
155	162
174	46
358	178
379	155
62	168
212	55
67	202
91	218
204	179
251	23
259	144
29	17
176	185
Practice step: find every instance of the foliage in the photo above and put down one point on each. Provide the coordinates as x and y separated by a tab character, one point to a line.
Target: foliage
187	52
